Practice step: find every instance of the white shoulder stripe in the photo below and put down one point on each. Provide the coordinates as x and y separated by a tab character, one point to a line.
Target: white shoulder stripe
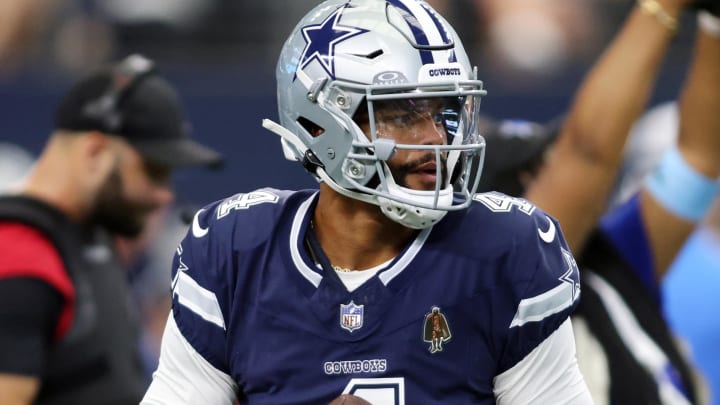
199	300
548	303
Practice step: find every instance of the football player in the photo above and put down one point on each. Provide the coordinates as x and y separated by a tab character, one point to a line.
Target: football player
394	282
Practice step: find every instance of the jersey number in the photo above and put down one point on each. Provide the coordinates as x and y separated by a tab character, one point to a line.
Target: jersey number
244	201
378	391
497	202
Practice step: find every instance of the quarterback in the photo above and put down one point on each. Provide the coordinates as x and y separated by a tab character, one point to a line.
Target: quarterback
394	282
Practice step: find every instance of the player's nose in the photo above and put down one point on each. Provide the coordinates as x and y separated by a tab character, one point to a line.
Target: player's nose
430	131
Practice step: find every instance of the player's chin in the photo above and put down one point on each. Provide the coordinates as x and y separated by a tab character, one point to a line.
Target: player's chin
347	399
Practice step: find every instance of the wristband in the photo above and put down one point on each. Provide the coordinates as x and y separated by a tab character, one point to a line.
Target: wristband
709	23
680	188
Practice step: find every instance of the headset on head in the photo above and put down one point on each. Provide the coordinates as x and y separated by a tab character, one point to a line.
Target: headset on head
126	75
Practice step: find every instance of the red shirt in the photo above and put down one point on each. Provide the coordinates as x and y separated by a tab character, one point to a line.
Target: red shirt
26	252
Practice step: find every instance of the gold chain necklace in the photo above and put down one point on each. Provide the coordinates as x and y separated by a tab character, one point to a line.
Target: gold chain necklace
341	269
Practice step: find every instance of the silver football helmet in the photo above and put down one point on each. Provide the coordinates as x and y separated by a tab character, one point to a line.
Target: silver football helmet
360	57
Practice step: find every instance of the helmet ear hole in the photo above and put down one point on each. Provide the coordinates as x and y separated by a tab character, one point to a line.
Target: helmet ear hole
312	128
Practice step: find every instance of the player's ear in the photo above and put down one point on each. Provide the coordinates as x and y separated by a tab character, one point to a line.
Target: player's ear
95	143
99	153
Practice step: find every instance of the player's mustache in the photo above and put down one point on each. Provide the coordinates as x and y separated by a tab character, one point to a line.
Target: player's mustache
408	167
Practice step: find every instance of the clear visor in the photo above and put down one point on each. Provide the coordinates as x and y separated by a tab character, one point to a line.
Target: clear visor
423	139
426	134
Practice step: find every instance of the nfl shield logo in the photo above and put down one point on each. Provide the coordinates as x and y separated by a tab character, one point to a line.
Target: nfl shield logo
351	316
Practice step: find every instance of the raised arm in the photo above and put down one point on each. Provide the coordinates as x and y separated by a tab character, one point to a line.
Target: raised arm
669	222
575	182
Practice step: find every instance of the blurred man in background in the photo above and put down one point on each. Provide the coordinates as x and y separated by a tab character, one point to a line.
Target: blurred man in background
67	333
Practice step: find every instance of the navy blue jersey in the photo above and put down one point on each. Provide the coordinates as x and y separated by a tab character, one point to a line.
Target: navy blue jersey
463	302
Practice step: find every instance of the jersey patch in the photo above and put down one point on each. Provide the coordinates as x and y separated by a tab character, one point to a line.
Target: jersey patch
351	316
436	330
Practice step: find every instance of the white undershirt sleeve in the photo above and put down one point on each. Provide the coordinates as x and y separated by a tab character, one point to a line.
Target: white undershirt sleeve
185	377
548	375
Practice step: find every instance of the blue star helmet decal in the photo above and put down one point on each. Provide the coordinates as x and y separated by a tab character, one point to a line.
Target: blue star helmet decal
322	38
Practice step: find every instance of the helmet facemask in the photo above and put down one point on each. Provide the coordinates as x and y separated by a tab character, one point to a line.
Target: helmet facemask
410	151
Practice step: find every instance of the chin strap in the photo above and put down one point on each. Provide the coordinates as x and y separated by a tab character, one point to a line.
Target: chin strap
286	137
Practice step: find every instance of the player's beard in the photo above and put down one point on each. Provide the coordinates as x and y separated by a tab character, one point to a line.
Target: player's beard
116	213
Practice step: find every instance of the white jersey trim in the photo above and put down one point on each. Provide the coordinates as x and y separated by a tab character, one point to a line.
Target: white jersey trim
386	275
311	276
541	306
553	301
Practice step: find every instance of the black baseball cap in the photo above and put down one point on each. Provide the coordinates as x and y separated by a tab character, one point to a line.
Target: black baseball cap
129	99
513	146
